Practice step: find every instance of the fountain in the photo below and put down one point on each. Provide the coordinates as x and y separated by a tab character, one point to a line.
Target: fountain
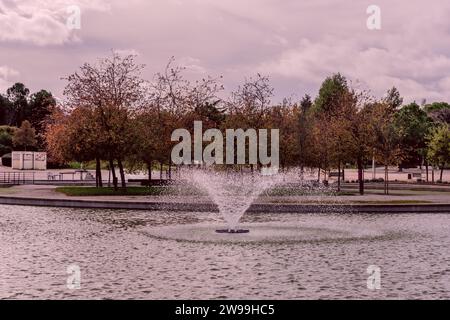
233	192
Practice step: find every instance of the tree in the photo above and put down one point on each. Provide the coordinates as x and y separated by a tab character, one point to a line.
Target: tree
442	115
41	105
18	97
327	112
330	91
436	106
304	128
393	99
114	89
341	117
25	136
6	139
210	112
413	123
354	135
250	101
385	138
439	112
151	142
175	102
285	118
322	143
439	147
248	106
5	110
73	137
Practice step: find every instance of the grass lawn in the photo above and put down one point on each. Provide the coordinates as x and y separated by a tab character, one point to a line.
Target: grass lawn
129	191
324	202
391	201
281	191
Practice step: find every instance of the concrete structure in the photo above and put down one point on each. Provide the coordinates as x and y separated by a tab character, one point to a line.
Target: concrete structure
210	207
29	160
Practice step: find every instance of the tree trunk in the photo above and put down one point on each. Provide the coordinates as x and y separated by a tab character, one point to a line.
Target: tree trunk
149	168
339	176
318	175
432	174
426	168
122	173
387	181
98	173
113	172
386	178
442	172
360	175
160	171
170	170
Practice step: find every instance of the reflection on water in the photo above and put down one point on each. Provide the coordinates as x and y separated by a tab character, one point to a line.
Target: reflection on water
120	257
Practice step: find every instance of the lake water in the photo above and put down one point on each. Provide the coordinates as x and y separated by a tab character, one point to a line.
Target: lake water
162	255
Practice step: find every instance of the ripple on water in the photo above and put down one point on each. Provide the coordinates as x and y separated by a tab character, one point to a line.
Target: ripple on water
269	232
128	254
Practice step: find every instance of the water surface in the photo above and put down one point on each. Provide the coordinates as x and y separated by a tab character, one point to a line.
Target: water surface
161	255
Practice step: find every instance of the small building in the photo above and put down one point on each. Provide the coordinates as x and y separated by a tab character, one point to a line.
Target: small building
29	160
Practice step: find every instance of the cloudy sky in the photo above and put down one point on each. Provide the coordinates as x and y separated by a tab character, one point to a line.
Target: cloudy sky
297	43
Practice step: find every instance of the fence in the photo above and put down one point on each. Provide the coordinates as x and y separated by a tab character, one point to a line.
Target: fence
16	178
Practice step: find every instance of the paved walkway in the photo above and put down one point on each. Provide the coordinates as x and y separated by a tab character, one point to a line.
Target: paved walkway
350	174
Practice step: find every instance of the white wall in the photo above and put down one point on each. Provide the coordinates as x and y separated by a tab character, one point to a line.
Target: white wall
29	160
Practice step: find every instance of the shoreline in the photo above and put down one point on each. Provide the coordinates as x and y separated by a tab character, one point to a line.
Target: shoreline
210	207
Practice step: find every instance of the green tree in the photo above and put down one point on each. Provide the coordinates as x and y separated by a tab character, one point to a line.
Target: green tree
329	94
6	136
437	106
439	147
18	97
41	105
5	110
385	138
413	124
304	129
439	112
393	99
25	136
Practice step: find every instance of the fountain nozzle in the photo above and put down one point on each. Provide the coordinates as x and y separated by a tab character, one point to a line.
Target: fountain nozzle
233	231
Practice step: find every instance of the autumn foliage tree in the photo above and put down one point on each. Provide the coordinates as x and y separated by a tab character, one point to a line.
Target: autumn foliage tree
385	138
25	136
113	89
110	113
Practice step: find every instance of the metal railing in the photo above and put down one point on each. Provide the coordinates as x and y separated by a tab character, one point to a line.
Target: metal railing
16	177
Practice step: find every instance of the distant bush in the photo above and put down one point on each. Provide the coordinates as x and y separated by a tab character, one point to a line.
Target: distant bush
6	139
6	160
74	165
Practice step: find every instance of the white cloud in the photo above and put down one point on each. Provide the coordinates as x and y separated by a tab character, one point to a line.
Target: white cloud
41	22
397	60
7	74
296	43
192	65
126	52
